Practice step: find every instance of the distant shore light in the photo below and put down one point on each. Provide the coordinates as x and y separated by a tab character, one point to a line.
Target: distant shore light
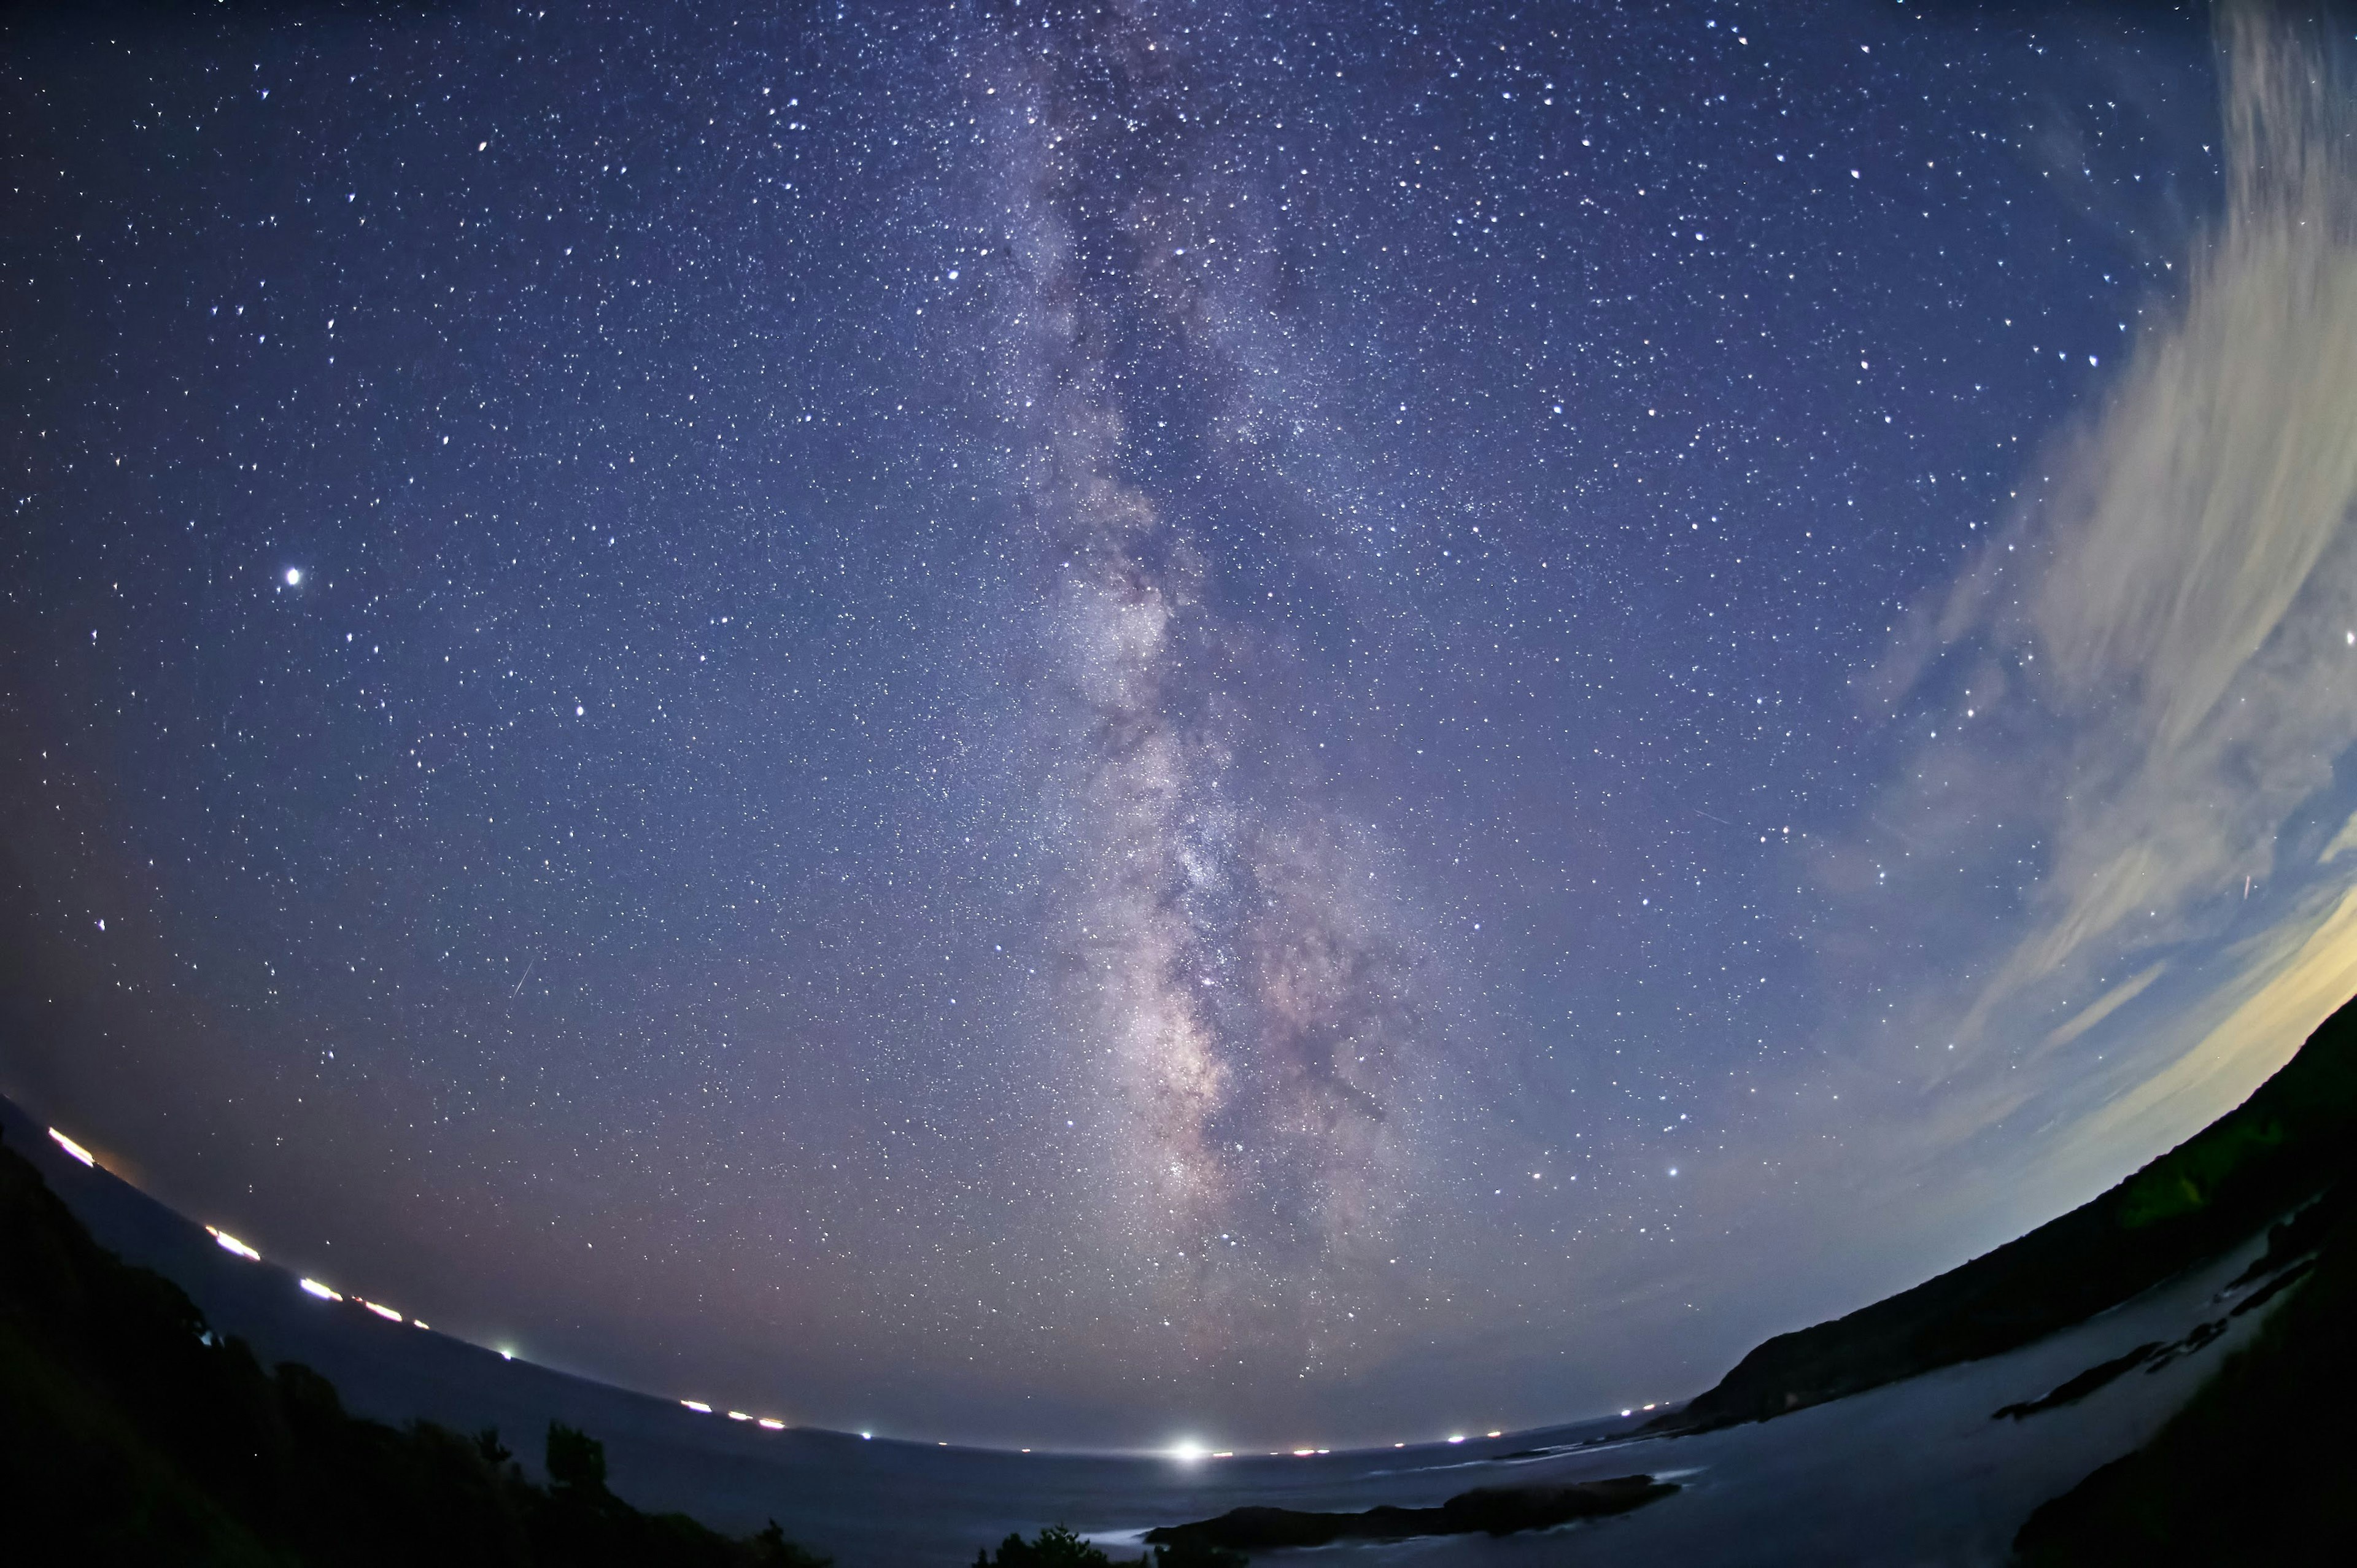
76	1150
229	1243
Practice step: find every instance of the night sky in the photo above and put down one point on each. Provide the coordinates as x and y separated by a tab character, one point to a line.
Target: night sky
1075	724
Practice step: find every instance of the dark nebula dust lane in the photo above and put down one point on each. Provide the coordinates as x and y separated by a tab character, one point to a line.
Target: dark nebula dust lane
1081	724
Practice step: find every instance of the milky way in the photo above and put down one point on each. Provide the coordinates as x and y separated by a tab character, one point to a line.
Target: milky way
1233	966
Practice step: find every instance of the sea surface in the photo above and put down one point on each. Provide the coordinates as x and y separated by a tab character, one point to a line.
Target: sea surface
1915	1473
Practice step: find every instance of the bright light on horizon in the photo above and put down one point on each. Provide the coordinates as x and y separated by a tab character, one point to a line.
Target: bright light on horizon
384	1311
698	1406
76	1150
1186	1451
771	1424
313	1287
229	1243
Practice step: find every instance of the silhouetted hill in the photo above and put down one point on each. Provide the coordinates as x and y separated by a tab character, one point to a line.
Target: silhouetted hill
2294	1137
130	1433
2257	1468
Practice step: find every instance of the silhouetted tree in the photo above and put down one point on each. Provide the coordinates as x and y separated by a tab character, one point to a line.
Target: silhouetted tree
577	1461
1057	1547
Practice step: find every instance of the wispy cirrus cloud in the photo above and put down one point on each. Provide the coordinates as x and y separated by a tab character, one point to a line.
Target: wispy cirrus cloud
2159	649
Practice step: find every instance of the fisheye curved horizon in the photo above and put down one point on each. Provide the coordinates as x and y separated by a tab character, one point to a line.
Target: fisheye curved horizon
1118	727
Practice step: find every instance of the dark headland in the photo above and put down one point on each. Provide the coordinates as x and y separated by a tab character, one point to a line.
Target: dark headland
2292	1142
2257	1466
1484	1511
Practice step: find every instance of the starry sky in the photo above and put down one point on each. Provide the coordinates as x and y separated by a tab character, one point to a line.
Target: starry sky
1065	724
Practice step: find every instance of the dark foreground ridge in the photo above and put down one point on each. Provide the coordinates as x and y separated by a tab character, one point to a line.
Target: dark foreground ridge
130	1433
2293	1138
2256	1468
1486	1510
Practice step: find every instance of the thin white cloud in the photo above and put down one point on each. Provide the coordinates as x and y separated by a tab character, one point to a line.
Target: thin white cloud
2163	637
2103	1007
2342	842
